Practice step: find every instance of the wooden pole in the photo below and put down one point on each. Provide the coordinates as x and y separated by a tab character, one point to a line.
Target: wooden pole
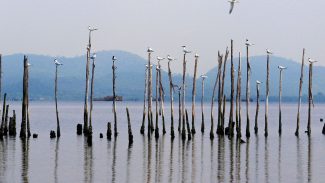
157	80
90	131
213	95
310	97
162	98
85	129
183	97
5	129
114	97
202	106
27	105
3	115
171	88
194	93
300	90
149	92
232	76
179	109
129	127
189	135
56	102
0	76
267	95
280	99
144	101
22	134
257	106
238	99
248	72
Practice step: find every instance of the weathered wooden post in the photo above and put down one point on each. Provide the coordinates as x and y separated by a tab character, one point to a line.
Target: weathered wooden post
27	106
300	90
310	94
202	100
22	133
171	94
268	52
109	131
5	129
189	134
57	64
129	127
179	109
161	95
12	125
213	96
90	130
183	91
194	93
0	76
3	115
281	68
144	101
238	99
232	91
149	92
157	80
257	105
221	128
248	73
85	129
114	96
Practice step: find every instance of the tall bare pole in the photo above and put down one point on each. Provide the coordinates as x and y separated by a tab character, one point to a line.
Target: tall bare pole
268	52
114	96
248	73
90	130
232	76
149	88
85	130
0	76
144	101
194	93
57	64
213	96
310	94
179	109
27	106
171	94
238	99
281	68
202	106
300	90
157	97
183	92
257	105
22	134
161	95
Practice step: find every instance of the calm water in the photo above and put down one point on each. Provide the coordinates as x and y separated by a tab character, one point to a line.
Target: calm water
275	159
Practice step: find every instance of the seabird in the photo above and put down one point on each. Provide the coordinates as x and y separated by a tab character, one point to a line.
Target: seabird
258	82
150	50
91	28
114	58
311	60
281	67
268	51
93	56
196	55
232	4
248	43
204	76
160	59
56	62
185	50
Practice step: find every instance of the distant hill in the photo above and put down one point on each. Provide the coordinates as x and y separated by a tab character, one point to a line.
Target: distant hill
130	77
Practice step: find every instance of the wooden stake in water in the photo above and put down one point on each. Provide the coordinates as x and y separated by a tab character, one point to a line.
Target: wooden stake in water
129	127
189	134
144	101
281	68
257	105
90	130
232	76
22	133
268	52
171	94
310	94
27	106
194	93
57	64
248	73
183	91
161	95
0	76
114	96
238	99
300	90
179	109
3	116
149	88
202	100
157	97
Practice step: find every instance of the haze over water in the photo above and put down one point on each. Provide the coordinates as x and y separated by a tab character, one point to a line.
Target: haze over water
275	159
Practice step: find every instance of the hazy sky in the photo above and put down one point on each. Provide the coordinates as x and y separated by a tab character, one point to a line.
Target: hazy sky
59	28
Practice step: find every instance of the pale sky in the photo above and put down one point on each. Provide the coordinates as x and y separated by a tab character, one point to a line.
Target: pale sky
60	27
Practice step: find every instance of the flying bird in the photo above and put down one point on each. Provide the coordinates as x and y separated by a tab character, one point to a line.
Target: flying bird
232	4
281	67
114	59
248	43
268	51
258	82
311	60
56	62
91	28
185	50
150	50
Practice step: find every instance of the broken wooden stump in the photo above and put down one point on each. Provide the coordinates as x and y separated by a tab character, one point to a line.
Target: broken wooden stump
5	129
323	131
189	133
101	135
109	131
52	134
35	136
79	129
129	127
12	125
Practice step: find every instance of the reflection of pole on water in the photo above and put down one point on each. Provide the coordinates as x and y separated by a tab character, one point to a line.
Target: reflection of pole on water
25	159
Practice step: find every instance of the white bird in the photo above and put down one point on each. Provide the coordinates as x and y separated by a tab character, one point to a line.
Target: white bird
114	58
232	4
258	82
248	43
56	62
185	50
204	76
196	55
150	50
169	58
157	68
28	64
311	60
268	51
281	67
160	59
91	28
93	56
